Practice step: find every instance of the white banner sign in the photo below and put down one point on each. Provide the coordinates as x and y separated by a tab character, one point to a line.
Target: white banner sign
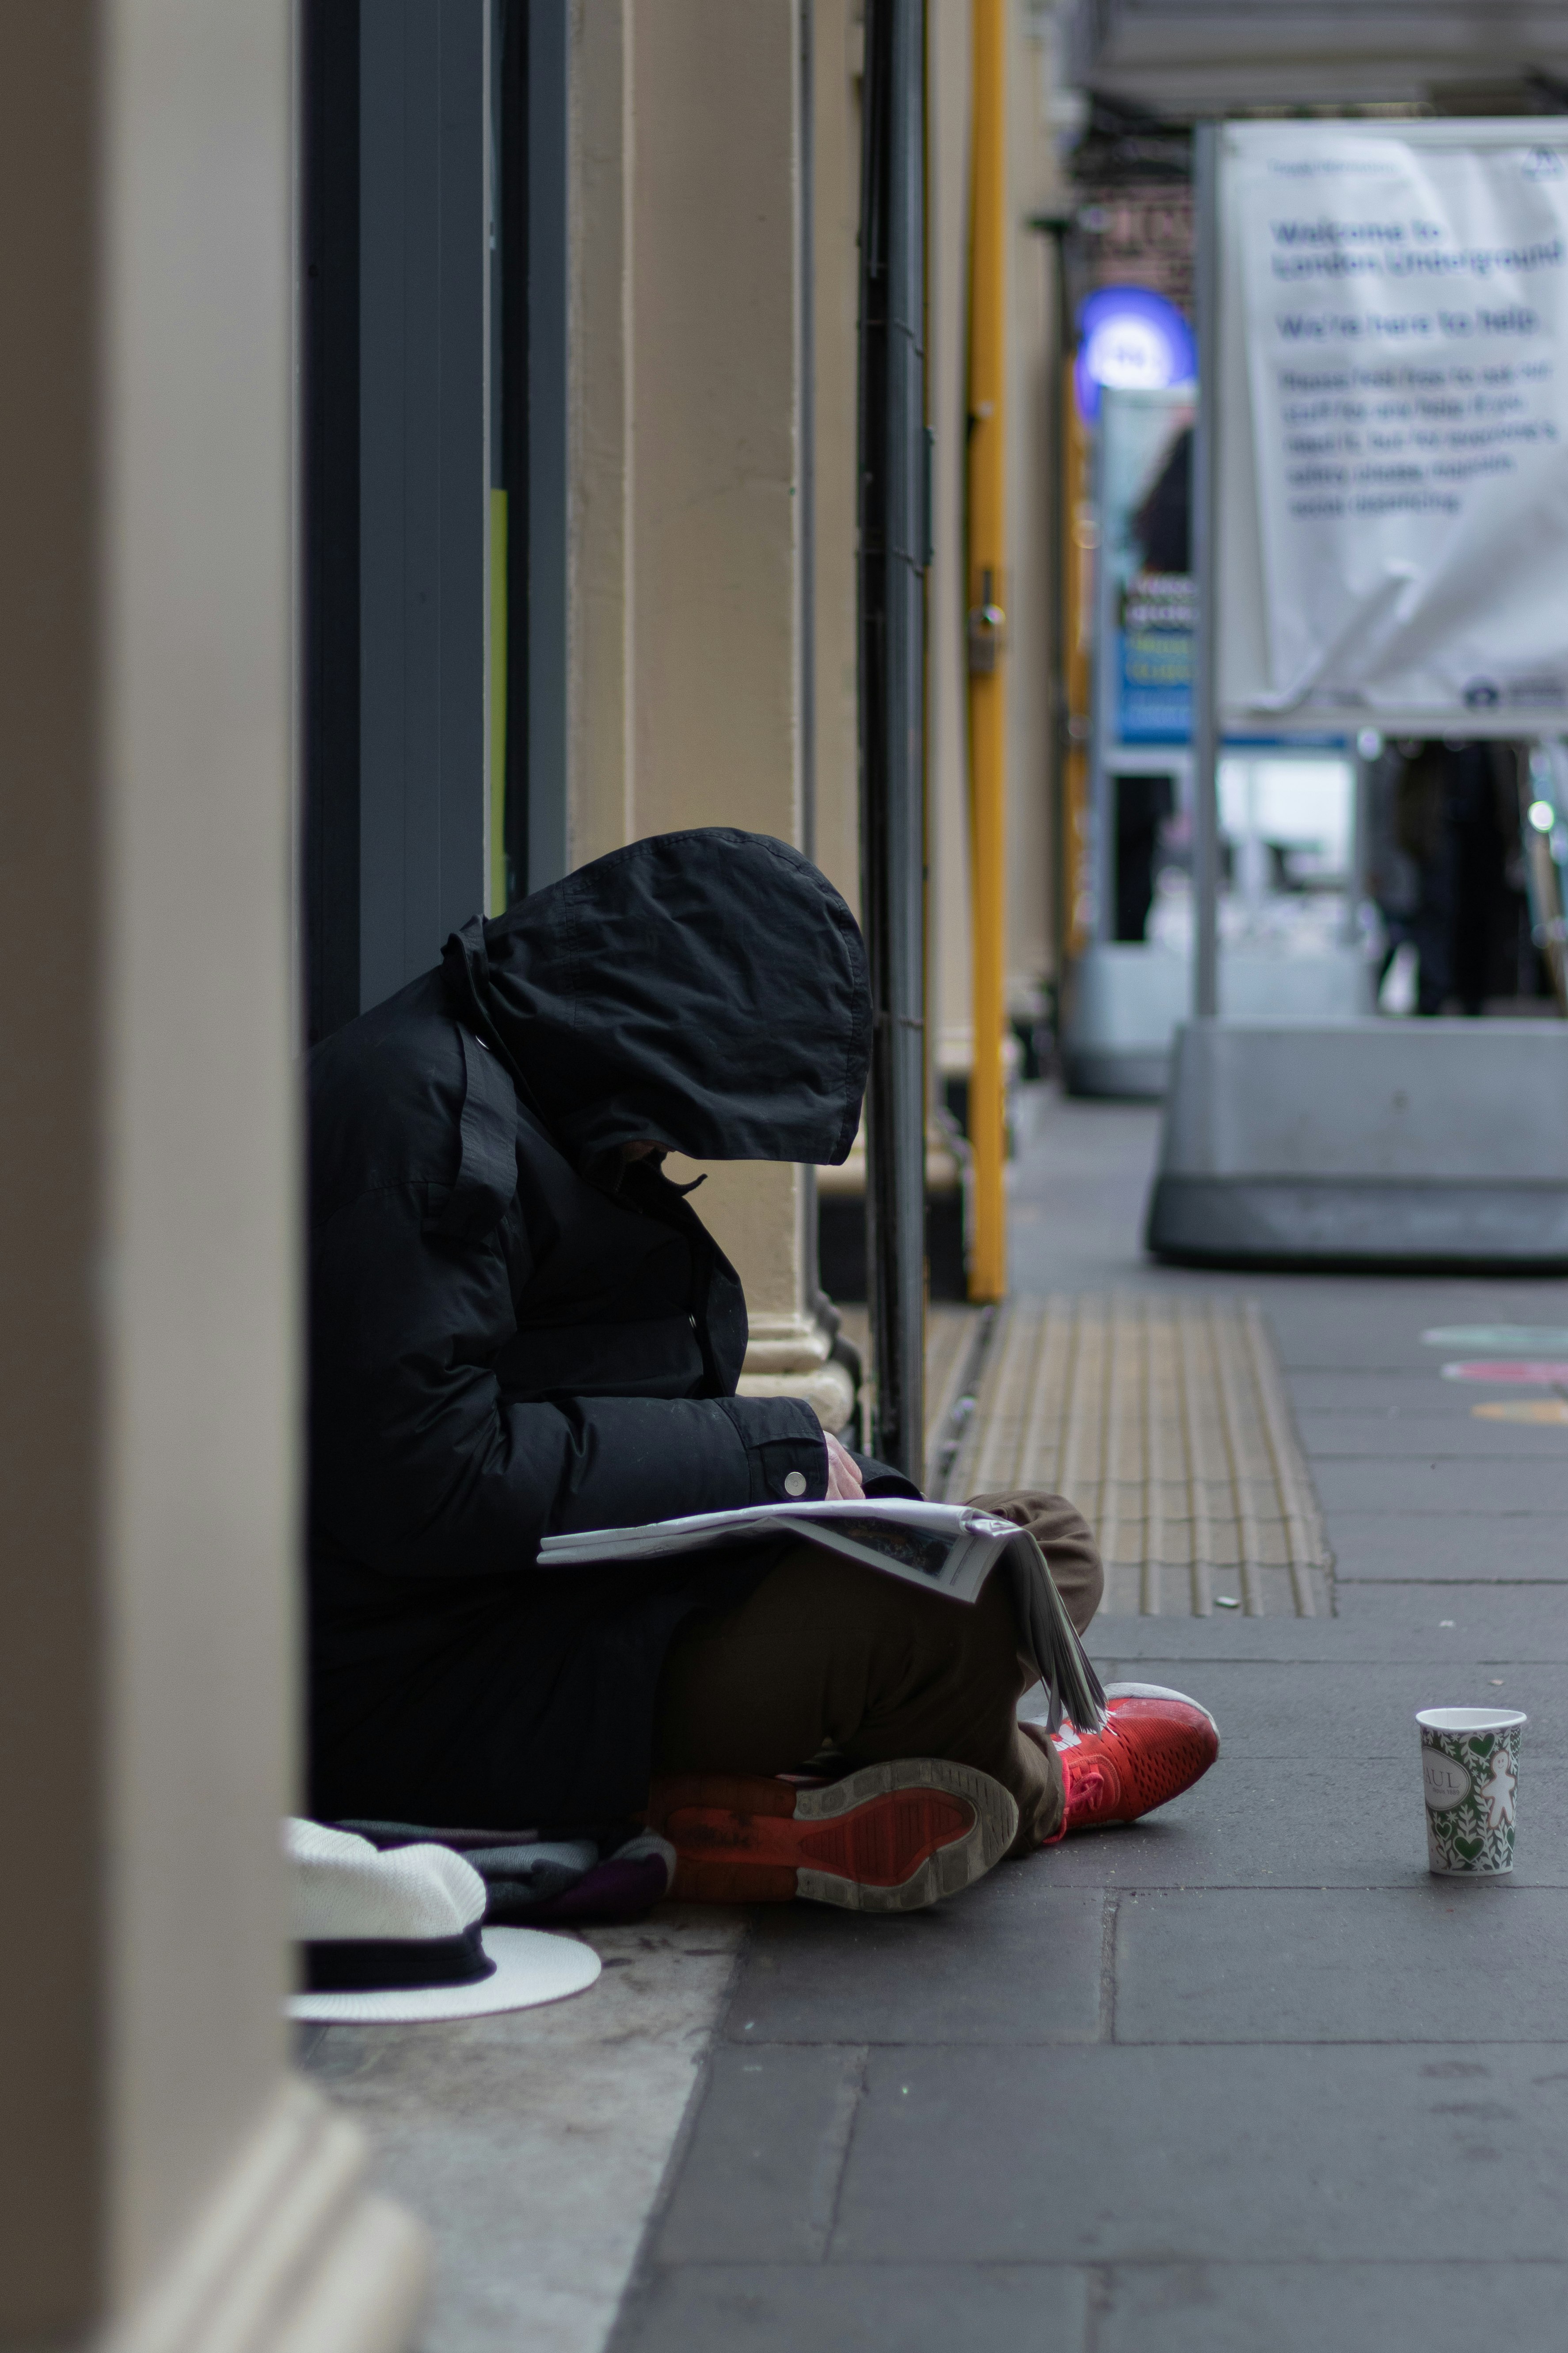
1406	340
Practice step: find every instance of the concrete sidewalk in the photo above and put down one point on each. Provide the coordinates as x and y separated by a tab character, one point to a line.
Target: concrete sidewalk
1244	2079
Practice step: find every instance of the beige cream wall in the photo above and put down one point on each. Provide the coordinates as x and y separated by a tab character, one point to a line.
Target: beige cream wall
599	633
202	1241
686	605
149	1388
714	417
837	50
685	620
686	588
150	1393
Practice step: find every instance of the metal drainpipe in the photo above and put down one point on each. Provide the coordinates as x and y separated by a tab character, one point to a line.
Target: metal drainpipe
893	540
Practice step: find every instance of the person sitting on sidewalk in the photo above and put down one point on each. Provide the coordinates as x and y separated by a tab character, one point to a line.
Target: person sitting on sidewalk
520	1327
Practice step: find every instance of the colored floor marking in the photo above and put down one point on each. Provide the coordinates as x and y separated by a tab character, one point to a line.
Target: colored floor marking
1551	1411
1539	1373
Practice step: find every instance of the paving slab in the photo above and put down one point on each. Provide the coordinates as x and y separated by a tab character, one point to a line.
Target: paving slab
862	2308
1505	1491
1453	2307
1321	1824
1371	1324
1226	2080
1207	2154
761	2176
1363	1710
1475	1547
1428	1438
1477	1961
1378	1399
1016	1957
1376	1620
1528	1619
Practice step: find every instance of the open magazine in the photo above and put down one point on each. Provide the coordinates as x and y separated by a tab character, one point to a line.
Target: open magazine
949	1548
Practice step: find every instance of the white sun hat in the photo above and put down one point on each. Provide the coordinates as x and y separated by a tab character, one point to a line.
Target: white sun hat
395	1937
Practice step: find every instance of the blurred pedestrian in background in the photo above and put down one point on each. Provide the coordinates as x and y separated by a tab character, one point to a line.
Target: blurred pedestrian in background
1456	819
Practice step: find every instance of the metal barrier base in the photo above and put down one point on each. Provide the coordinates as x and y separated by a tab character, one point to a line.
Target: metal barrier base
1439	1144
1335	1221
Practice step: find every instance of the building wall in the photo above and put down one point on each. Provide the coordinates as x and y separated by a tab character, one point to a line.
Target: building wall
837	62
199	1333
694	620
687	635
151	2141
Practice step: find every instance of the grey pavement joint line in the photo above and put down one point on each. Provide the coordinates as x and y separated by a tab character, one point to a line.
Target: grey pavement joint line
1073	1473
1108	1965
833	2155
1240	1484
1303	1525
1039	1398
1115	1439
1154	1423
1100	2301
1197	1487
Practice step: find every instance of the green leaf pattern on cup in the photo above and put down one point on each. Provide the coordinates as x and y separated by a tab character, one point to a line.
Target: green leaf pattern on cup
1471	1784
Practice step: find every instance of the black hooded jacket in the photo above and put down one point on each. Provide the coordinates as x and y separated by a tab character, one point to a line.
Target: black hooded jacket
513	1332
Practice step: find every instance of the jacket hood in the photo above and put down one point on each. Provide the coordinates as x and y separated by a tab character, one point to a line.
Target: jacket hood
707	991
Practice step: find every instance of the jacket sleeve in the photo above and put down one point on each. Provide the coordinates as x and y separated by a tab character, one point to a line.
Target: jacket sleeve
418	1464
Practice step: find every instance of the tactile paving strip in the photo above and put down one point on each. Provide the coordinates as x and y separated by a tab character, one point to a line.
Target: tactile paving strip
1167	1422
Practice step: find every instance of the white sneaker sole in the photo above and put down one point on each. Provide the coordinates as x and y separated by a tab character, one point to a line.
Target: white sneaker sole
951	1868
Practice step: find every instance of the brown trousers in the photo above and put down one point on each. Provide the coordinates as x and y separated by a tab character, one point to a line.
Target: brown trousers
827	1654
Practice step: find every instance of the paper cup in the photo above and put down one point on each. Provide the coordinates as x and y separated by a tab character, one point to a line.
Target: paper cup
1469	1777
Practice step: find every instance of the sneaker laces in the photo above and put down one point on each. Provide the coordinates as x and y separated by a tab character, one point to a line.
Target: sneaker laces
1085	1781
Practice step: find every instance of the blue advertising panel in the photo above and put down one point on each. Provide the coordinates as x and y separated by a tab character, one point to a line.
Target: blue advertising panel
1150	609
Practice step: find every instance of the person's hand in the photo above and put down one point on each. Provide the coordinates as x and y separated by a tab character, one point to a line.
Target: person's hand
843	1479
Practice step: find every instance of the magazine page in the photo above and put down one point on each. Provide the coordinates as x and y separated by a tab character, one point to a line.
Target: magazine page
947	1546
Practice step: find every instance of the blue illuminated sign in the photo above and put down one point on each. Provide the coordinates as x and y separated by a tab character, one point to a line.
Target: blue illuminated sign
1131	339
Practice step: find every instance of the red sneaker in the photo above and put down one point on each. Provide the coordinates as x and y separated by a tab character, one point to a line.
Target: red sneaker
1155	1743
889	1838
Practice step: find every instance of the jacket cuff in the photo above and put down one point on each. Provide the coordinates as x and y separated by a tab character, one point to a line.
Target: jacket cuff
880	1479
786	1453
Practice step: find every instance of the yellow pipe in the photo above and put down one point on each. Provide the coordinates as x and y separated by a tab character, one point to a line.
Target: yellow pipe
988	658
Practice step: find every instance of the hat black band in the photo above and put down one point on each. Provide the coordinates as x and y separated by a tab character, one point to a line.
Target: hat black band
372	1964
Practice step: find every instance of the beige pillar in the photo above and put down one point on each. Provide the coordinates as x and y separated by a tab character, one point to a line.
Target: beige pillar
687	604
837	70
168	2184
